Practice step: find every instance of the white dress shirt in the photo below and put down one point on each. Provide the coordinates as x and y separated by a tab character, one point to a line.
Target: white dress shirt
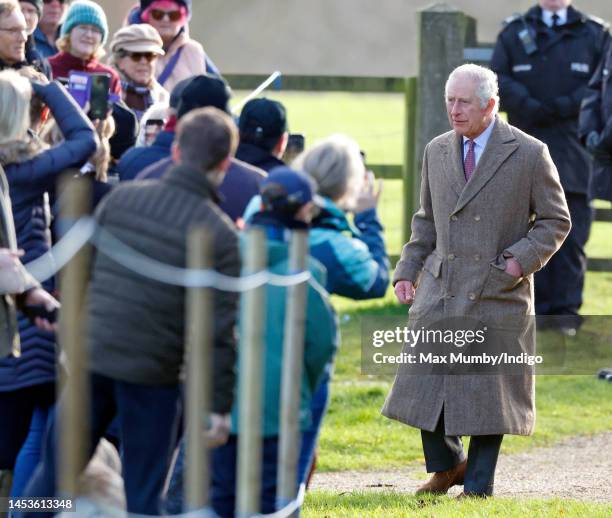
479	142
547	17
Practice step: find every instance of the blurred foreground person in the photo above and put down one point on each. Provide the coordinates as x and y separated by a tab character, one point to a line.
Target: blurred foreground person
18	290
287	205
135	369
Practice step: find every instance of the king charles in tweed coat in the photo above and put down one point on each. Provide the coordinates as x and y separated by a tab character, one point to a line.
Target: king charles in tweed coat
474	247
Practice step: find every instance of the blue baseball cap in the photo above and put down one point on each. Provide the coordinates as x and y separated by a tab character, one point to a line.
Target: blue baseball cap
287	190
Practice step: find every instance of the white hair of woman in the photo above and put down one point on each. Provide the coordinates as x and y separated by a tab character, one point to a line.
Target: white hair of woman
485	79
15	96
336	165
157	112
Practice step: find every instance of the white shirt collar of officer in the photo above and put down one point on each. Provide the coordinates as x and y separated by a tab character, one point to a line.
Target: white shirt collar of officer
547	16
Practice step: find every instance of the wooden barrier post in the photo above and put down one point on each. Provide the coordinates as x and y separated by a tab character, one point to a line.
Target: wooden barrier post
443	33
199	373
73	430
250	388
293	359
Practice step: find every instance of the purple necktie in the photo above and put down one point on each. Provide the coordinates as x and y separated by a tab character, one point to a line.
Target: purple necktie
470	160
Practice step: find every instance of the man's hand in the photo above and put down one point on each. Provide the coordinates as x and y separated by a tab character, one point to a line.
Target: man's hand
39	297
218	433
513	267
404	291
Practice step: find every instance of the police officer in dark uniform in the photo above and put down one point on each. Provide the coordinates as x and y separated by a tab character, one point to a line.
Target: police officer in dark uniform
544	60
596	126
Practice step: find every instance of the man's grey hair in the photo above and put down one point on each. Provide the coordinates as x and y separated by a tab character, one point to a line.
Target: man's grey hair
485	79
7	7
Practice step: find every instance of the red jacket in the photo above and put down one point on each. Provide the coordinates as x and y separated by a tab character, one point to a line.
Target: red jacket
64	62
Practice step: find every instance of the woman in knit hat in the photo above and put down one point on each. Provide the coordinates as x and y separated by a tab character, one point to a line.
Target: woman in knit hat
184	57
135	51
81	42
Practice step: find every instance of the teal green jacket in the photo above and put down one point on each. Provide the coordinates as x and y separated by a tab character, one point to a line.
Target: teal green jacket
320	337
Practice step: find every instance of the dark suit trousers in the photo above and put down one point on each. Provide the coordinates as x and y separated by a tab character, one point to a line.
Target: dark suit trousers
443	452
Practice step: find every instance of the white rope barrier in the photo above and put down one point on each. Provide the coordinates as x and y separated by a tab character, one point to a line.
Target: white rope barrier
86	229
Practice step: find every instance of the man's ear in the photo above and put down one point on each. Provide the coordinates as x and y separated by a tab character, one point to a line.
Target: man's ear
281	145
224	164
490	106
176	153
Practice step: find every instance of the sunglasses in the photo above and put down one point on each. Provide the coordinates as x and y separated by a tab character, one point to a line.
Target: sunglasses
173	16
137	56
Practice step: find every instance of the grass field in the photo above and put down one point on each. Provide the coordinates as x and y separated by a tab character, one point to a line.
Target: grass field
355	436
383	505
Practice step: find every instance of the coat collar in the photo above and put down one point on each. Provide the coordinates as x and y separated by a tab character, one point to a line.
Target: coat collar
192	180
502	143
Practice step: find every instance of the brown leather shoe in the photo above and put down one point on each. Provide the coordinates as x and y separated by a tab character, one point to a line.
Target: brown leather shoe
442	481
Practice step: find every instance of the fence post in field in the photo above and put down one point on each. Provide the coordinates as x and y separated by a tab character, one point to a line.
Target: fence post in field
73	430
250	386
200	329
410	172
443	32
291	386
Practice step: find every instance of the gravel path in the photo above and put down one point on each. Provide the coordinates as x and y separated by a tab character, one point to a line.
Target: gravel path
579	468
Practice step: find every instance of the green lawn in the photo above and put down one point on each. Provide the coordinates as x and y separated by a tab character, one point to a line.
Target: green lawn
383	505
374	120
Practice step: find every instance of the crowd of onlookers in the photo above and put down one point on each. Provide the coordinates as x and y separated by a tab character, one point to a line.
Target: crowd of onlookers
143	116
149	127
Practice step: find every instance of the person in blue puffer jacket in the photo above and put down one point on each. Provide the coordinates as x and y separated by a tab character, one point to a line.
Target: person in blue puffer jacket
353	254
32	169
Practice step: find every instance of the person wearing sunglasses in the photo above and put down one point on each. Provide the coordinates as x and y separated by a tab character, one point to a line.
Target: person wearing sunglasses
135	51
81	44
184	57
49	26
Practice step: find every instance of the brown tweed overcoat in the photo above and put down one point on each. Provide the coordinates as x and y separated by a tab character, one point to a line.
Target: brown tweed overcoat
513	203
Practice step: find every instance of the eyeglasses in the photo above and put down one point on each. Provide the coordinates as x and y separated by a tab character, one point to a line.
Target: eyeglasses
16	31
91	29
173	16
137	56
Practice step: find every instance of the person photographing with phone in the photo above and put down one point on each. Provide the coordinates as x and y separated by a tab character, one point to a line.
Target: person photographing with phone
83	35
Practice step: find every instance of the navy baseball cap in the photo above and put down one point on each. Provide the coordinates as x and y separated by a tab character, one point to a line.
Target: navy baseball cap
204	90
287	190
262	122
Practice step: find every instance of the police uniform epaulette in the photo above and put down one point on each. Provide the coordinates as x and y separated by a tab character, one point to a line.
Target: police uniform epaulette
597	20
511	19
